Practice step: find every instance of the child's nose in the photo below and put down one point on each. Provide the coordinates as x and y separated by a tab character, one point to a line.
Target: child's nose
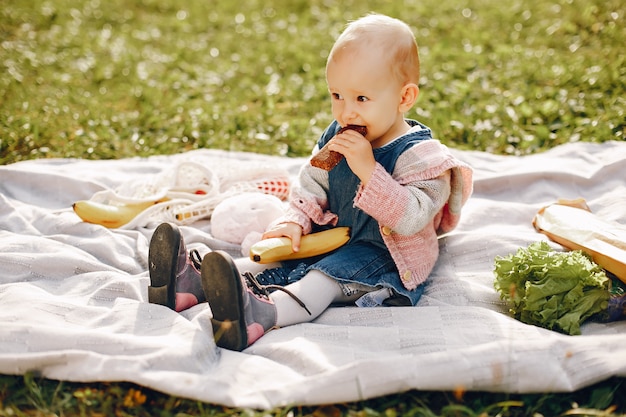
349	113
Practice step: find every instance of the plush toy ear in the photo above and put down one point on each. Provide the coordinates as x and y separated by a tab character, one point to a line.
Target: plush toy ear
250	239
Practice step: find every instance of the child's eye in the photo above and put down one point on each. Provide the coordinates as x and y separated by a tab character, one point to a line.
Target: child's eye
362	98
336	96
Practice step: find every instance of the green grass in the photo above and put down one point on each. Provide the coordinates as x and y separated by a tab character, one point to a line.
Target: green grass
113	79
30	396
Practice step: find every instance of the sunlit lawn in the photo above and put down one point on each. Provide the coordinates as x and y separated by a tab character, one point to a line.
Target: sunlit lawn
123	78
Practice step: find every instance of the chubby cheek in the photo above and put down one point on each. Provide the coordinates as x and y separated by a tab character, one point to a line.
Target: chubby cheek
336	110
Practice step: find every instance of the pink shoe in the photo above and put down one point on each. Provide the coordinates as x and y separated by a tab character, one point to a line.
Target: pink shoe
174	275
242	309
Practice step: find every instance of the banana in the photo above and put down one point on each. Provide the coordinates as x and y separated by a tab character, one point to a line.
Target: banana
279	248
108	215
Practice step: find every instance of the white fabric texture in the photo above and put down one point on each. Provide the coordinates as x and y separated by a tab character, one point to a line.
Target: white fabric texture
73	295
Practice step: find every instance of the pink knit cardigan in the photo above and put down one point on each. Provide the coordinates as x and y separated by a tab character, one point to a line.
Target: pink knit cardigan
391	200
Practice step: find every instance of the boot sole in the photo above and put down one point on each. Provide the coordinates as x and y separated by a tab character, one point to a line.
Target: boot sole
162	259
223	289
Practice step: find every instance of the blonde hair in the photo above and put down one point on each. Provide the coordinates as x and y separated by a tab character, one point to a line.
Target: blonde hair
392	36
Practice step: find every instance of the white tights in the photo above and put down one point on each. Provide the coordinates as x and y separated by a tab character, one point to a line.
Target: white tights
316	290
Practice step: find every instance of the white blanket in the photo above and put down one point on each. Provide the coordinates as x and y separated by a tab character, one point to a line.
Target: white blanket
73	296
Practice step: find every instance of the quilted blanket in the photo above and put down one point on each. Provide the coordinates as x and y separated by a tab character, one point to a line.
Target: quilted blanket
74	294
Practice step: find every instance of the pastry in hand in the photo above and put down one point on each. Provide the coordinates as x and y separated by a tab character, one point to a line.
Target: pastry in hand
327	159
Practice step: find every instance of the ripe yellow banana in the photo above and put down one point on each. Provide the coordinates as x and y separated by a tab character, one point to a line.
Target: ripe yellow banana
279	248
108	215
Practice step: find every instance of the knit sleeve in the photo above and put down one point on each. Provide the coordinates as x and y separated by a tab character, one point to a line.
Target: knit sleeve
308	202
406	208
428	182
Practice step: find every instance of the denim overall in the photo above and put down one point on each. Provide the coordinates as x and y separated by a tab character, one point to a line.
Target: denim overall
364	259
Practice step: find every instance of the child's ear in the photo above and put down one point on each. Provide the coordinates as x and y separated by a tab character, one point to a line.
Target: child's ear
410	92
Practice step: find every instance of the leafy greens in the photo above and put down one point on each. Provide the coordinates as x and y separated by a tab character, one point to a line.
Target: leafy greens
551	289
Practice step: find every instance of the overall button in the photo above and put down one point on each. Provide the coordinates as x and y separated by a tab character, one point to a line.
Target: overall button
406	276
386	230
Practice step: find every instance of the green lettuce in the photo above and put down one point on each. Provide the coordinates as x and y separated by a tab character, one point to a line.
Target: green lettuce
551	289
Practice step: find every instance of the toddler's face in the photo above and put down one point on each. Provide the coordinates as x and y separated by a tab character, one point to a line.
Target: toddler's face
365	92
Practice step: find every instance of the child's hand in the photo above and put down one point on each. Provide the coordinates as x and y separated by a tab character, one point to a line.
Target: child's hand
291	230
358	153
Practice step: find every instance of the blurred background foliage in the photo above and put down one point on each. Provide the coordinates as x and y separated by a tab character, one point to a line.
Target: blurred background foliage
95	79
